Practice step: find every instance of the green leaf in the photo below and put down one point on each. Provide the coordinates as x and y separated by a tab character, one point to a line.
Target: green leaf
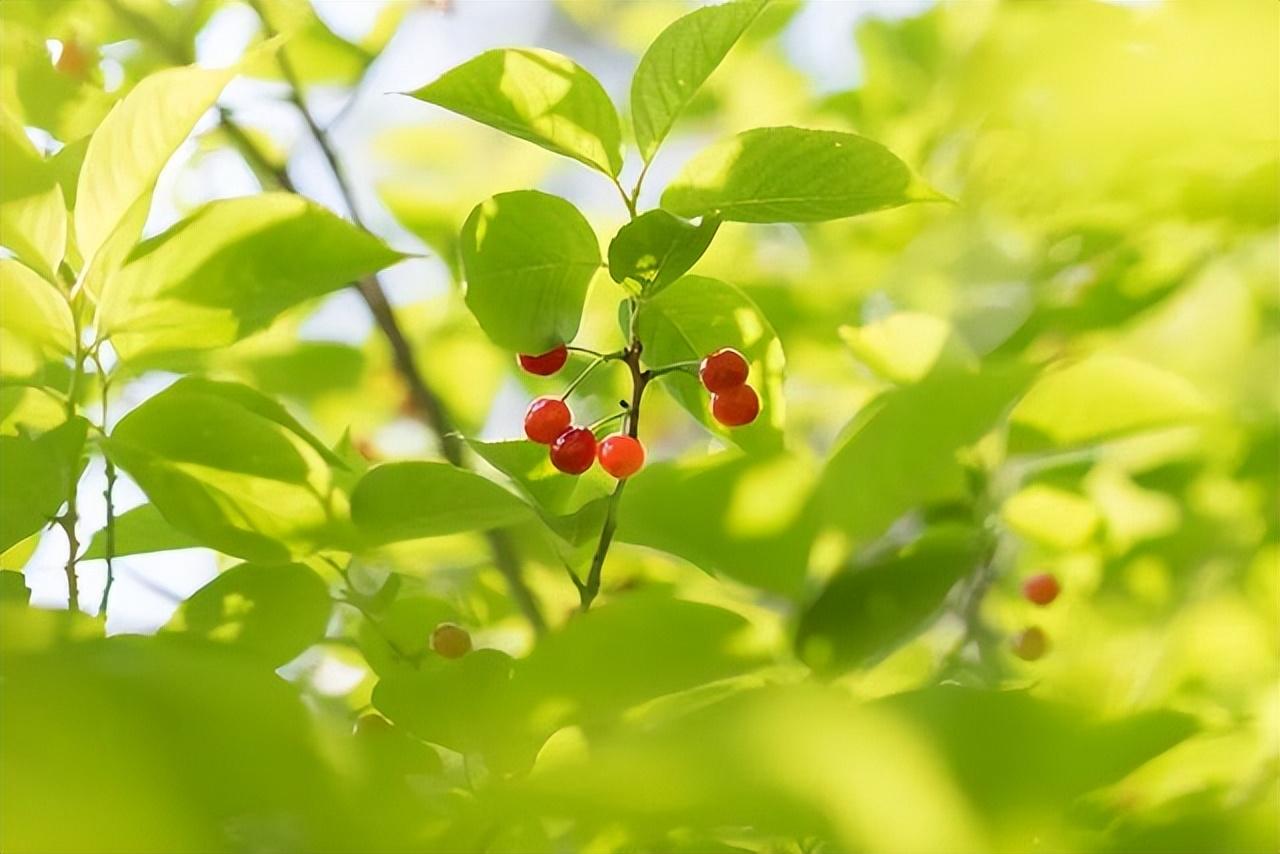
37	330
697	316
907	346
132	145
1054	517
229	472
38	473
788	174
678	62
656	248
529	258
229	270
141	530
405	501
866	612
900	450
529	465
33	214
537	95
749	518
1098	398
270	612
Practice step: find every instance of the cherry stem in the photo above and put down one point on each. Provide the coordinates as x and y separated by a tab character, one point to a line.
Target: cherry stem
607	419
673	367
599	360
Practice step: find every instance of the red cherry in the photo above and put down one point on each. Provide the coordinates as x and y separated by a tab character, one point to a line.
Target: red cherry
1041	589
723	370
546	418
546	364
574	450
1031	643
620	455
450	640
736	407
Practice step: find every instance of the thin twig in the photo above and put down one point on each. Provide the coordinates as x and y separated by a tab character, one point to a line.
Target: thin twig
108	494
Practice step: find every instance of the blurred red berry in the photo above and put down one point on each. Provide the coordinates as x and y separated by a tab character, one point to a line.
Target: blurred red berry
736	407
1041	589
620	455
1031	643
574	450
546	364
723	370
546	418
450	640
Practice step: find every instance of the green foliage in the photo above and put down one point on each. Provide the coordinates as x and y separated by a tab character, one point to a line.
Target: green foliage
788	174
529	258
38	472
655	249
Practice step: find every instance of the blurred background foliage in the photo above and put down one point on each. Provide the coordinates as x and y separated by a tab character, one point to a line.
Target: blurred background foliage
1074	368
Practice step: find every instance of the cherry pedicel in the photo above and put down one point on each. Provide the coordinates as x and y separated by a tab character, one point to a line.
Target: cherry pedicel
545	364
1031	643
546	418
736	407
450	640
574	450
620	455
1041	589
723	370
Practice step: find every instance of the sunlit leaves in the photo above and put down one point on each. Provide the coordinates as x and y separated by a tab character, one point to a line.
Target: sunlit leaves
866	611
405	501
788	174
537	95
33	214
38	474
528	258
1099	398
228	470
1052	516
229	270
900	450
36	326
697	316
679	61
529	465
132	145
745	517
142	530
656	248
906	346
272	613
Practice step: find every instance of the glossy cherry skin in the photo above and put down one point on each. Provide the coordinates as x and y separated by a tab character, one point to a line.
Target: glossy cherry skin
620	455
574	450
1031	643
723	370
546	418
736	407
450	640
1041	589
545	364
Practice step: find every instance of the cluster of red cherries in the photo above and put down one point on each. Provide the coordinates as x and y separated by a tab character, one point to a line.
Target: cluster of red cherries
573	449
1032	643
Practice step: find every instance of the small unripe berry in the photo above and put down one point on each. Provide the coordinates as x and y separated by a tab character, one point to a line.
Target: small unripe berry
546	418
723	370
620	455
450	641
545	364
574	450
736	407
1041	589
1031	643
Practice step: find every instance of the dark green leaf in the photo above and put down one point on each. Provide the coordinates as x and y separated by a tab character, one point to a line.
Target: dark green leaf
656	248
788	174
528	258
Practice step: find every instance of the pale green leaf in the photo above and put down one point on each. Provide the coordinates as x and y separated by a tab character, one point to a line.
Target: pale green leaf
36	326
678	62
1051	516
656	248
788	174
33	214
906	346
229	270
234	479
38	473
529	465
142	530
697	316
134	142
529	258
537	95
270	612
405	501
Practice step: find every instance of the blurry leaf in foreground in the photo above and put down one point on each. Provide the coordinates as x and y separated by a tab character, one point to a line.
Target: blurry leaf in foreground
906	346
1052	516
